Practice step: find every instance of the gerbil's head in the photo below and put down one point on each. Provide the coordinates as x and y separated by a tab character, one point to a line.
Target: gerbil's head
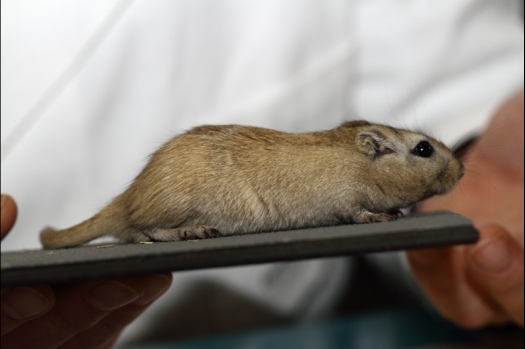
408	166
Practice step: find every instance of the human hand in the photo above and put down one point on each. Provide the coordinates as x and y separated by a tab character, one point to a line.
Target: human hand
88	314
482	284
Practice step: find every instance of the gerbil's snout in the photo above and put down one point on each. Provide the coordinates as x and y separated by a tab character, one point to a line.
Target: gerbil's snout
452	175
448	177
457	169
461	169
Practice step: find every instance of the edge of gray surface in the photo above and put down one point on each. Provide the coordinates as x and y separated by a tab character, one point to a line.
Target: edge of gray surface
88	262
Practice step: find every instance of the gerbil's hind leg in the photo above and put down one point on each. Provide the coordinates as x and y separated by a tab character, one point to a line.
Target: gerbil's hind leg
184	233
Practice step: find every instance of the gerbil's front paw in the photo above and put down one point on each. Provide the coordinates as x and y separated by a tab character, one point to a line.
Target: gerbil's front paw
396	213
369	217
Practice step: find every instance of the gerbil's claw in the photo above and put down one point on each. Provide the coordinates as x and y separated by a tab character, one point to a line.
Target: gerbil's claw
380	217
369	217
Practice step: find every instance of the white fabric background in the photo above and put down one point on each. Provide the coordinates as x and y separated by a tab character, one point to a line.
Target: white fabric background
91	88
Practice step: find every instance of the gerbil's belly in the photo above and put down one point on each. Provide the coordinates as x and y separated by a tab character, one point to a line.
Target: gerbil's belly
264	219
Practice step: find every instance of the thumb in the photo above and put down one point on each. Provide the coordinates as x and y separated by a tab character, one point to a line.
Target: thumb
9	212
496	263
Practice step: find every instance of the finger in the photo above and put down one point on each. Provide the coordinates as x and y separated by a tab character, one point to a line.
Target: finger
441	275
21	304
9	213
496	262
77	308
104	332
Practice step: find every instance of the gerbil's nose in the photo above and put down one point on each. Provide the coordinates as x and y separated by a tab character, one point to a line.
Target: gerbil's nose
461	169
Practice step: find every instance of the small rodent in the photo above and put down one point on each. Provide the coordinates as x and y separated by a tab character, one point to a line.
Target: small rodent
230	179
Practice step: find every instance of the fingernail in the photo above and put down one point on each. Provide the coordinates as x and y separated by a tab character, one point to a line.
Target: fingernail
23	302
492	256
3	199
155	286
110	295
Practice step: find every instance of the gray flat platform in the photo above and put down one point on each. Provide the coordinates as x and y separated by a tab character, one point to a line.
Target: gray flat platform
89	262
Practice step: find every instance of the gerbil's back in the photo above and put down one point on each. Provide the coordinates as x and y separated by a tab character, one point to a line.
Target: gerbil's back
246	174
258	154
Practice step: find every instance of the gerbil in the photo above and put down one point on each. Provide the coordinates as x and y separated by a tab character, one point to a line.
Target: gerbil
225	180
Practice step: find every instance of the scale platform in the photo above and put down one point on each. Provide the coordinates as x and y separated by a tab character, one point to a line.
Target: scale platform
418	231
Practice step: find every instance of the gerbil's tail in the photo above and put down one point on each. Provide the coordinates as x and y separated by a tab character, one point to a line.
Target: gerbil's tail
109	221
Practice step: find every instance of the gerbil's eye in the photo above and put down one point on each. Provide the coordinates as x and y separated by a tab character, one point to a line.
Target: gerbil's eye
423	149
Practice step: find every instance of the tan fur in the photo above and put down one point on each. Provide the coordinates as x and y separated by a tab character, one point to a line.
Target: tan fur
224	180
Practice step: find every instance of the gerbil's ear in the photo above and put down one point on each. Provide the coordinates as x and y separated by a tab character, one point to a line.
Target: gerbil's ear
373	143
